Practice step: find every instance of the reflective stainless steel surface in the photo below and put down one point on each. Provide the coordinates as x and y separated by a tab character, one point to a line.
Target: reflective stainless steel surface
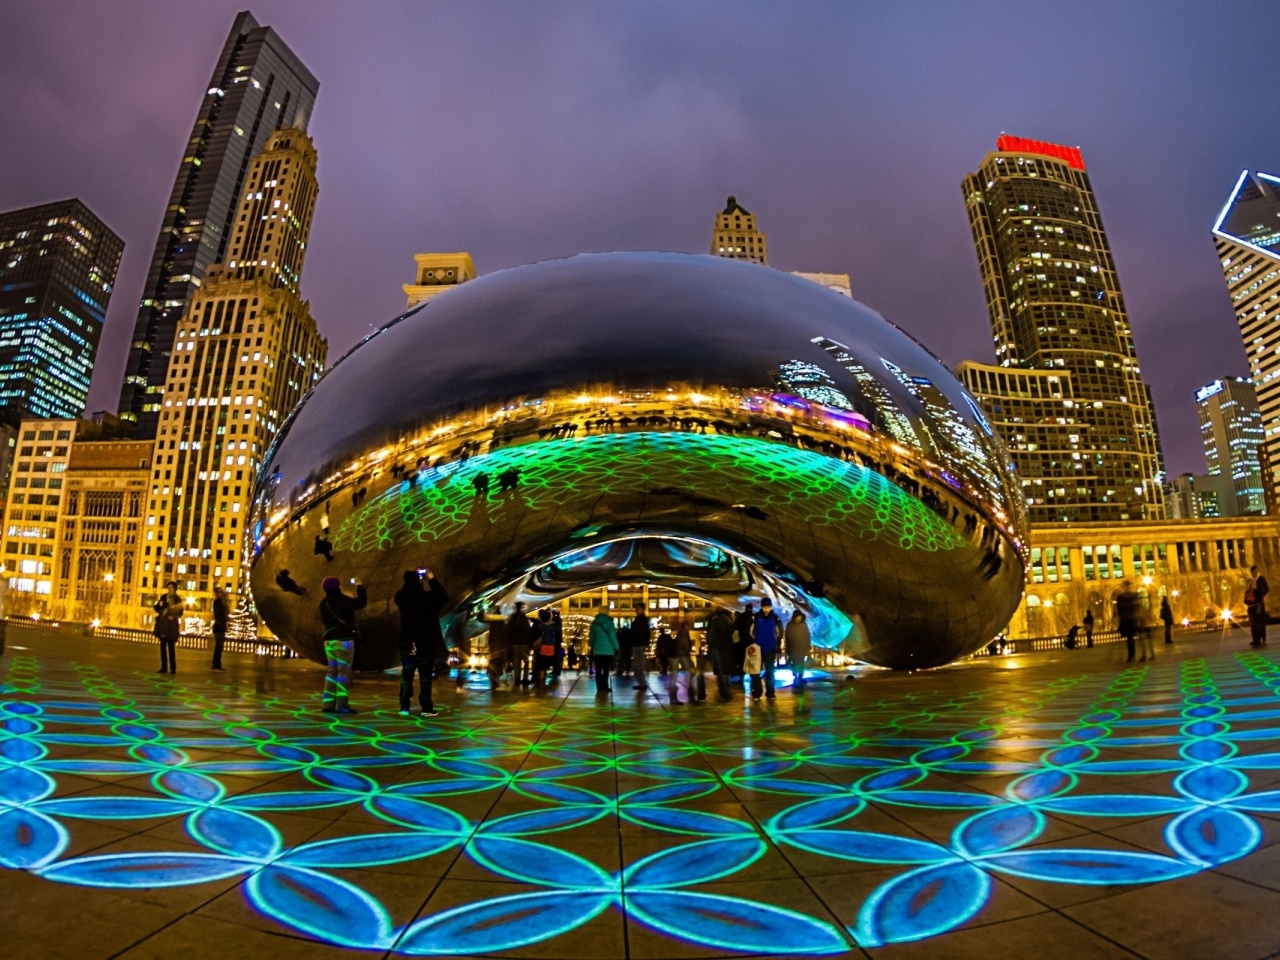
711	425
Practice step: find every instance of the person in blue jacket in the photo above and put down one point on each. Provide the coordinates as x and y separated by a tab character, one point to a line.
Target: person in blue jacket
766	631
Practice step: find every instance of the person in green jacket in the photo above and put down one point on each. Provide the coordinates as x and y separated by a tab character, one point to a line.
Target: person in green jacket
603	641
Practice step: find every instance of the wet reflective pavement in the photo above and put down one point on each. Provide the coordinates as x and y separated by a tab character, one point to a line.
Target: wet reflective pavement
1065	804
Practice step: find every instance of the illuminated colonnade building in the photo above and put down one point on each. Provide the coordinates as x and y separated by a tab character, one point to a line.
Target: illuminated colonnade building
1055	305
1246	236
245	352
1202	566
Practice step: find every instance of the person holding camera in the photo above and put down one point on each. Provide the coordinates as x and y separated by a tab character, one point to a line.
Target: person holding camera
338	615
422	643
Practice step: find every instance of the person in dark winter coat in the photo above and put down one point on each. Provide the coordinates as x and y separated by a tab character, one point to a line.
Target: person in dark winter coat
640	648
168	625
720	649
1166	617
1255	598
742	629
338	615
1127	619
546	655
519	641
421	639
220	613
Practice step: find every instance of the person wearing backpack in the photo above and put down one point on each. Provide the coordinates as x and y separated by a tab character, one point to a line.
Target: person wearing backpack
338	615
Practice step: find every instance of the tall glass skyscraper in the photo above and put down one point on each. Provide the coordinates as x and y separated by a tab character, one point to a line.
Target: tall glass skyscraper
258	86
58	264
1089	449
1247	238
1231	427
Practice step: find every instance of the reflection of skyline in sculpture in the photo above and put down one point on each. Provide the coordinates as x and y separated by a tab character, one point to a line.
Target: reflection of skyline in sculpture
882	408
632	403
810	381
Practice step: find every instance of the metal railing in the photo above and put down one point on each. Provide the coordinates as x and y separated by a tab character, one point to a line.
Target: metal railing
188	641
1036	644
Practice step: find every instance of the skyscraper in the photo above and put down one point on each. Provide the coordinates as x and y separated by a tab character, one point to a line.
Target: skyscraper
58	265
1247	238
258	86
244	354
1056	307
736	236
1231	426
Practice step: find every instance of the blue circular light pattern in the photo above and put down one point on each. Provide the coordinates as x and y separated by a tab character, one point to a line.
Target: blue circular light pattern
220	769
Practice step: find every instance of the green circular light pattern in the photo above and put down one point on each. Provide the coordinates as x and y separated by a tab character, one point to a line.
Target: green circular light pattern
792	485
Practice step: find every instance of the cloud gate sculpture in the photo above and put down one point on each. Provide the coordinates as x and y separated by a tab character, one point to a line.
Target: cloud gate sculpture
694	422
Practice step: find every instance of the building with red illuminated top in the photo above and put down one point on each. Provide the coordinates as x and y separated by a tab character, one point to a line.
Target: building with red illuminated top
1084	439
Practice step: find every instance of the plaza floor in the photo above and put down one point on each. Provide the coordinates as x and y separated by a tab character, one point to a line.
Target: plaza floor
1055	805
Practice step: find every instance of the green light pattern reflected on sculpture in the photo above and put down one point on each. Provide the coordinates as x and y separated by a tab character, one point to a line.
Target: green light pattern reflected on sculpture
795	486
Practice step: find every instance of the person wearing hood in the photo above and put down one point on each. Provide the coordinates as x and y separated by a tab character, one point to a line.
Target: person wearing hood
338	615
603	640
798	645
422	643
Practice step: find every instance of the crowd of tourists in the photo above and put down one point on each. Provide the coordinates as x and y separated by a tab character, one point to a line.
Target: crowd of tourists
531	651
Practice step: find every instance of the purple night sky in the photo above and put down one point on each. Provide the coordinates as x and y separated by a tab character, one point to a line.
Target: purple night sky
524	131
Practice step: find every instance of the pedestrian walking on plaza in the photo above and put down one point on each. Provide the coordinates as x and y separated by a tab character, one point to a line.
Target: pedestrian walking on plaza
1127	618
338	615
544	655
664	649
766	632
742	629
219	626
602	642
519	642
640	647
622	662
1088	628
1255	598
682	666
422	643
1166	617
720	649
799	645
168	625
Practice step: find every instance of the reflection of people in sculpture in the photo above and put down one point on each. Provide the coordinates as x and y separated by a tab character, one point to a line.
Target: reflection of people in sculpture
323	548
481	482
289	585
508	479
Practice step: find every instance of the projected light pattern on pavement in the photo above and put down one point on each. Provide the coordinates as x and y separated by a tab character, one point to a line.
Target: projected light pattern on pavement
522	790
804	486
